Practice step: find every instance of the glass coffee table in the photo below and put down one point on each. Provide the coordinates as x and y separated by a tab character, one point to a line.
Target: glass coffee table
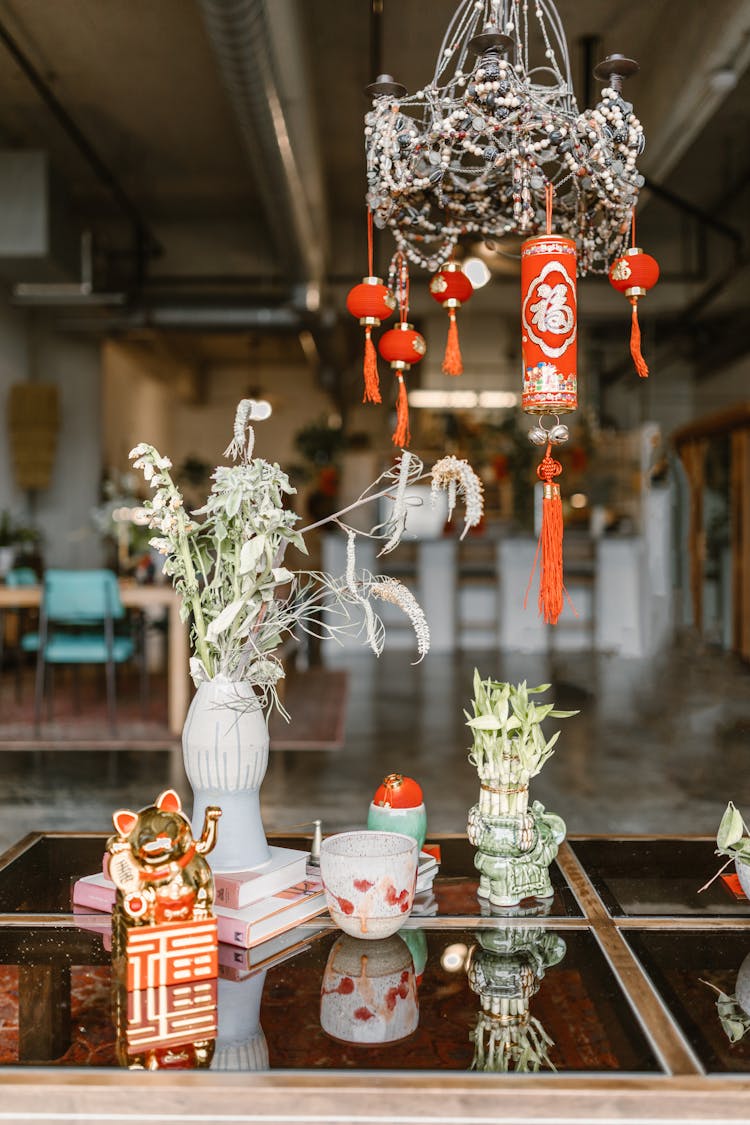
621	999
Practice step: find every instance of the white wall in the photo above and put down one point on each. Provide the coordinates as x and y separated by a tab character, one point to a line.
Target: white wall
30	350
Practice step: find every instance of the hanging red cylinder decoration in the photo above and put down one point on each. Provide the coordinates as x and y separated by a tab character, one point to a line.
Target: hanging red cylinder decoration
633	274
451	288
549	314
402	346
549	325
372	303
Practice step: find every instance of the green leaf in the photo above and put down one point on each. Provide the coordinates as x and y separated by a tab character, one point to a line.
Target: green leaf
730	829
485	722
251	554
224	620
563	714
539	690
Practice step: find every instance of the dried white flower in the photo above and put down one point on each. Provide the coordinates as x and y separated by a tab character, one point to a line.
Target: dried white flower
393	591
163	546
458	476
243	439
397	519
351	577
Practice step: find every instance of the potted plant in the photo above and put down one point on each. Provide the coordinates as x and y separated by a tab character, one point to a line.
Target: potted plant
516	843
733	840
226	561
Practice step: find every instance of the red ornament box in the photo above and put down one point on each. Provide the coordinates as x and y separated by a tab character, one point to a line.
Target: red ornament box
549	325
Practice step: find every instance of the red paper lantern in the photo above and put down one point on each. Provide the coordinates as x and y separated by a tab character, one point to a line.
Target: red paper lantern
634	274
549	324
399	792
371	302
402	346
451	288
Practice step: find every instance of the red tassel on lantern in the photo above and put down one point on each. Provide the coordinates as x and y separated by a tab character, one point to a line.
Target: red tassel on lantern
402	346
634	274
550	545
451	288
371	302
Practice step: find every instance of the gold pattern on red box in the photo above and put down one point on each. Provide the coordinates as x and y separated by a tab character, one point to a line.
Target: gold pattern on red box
173	953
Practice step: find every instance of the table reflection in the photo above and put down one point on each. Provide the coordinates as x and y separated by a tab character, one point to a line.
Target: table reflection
172	1027
734	1010
369	991
505	969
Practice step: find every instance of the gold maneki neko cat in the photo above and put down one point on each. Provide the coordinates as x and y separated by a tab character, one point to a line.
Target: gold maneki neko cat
158	867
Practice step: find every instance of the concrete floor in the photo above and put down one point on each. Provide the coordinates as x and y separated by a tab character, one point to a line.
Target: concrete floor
659	746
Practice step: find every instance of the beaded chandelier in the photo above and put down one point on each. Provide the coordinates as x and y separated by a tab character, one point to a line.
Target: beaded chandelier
473	152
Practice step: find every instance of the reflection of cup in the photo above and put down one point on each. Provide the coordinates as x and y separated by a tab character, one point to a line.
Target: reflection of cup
369	880
369	991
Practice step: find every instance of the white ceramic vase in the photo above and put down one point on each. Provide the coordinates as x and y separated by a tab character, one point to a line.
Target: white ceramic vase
225	751
743	874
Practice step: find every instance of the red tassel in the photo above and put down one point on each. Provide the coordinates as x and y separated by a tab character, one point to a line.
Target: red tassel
453	364
401	435
551	587
635	342
372	380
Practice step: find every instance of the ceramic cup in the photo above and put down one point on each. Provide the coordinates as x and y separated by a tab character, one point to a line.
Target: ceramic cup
369	880
369	991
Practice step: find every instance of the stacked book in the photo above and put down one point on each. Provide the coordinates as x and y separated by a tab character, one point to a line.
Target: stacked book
251	906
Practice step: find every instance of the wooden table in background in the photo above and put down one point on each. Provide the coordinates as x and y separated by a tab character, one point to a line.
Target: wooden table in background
136	597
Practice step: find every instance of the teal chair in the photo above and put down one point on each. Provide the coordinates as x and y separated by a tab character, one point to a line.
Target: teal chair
77	626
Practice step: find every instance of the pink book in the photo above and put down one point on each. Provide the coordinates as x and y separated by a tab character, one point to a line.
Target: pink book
236	889
246	927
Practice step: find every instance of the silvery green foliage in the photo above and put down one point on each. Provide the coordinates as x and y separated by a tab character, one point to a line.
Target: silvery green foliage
226	561
734	1020
733	836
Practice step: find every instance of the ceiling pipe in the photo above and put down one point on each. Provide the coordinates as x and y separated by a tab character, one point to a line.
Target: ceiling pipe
260	49
188	318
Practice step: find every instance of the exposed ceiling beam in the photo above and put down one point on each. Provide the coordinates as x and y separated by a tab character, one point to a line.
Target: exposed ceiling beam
261	53
708	52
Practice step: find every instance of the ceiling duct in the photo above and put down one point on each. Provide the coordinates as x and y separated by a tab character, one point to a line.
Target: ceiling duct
37	239
261	55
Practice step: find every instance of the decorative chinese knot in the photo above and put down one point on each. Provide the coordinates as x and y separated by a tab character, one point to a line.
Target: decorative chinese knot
549	332
402	346
451	288
371	302
634	274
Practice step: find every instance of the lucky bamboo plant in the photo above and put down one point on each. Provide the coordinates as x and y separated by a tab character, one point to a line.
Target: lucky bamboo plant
226	558
509	747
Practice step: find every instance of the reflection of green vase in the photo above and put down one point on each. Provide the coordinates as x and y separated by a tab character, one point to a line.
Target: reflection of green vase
411	822
417	942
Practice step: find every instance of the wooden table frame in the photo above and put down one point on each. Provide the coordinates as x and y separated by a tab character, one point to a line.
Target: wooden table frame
683	1094
134	596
